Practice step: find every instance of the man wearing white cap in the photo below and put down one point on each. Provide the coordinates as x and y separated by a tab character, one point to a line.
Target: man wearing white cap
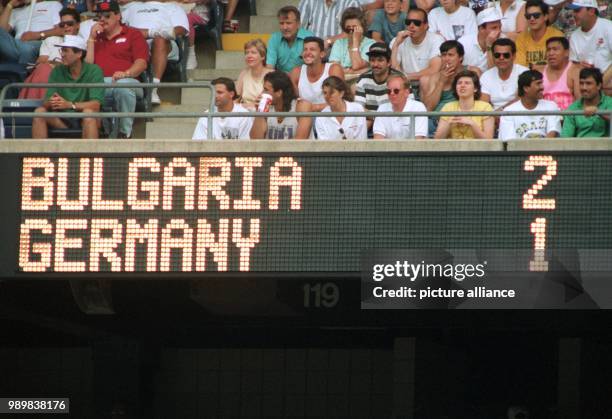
591	43
71	99
478	46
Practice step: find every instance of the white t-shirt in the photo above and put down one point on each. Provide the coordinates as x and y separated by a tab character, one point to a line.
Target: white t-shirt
154	15
45	17
284	130
85	28
414	58
352	127
474	55
48	47
594	46
455	25
399	126
509	18
529	126
501	91
238	128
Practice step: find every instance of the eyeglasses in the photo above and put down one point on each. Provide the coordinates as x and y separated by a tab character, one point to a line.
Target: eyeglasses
341	131
105	15
394	91
506	55
67	23
535	15
416	22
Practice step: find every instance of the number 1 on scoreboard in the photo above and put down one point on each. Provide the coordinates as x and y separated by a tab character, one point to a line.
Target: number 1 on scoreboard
538	227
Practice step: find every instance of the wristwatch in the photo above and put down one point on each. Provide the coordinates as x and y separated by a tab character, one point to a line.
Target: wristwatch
354	49
73	106
42	35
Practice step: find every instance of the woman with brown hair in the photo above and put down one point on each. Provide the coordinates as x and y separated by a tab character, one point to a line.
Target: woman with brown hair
250	81
339	98
466	89
351	51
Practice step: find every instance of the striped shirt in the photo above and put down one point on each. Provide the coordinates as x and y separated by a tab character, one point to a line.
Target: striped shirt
323	20
370	93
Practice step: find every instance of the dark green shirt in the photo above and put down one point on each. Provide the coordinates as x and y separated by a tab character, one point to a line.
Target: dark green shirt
90	73
587	126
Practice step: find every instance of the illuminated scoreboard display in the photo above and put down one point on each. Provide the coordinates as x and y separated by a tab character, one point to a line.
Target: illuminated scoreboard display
164	215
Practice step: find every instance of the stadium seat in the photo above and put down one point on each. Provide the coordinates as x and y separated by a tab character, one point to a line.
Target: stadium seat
12	73
17	126
180	66
214	27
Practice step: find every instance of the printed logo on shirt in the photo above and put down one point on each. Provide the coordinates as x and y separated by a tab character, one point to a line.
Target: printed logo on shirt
536	57
533	129
230	133
458	30
153	10
120	40
280	133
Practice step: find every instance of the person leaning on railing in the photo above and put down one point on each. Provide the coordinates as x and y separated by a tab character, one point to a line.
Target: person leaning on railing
466	88
593	99
71	99
339	99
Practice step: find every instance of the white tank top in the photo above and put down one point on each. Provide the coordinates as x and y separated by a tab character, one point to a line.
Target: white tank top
284	130
312	92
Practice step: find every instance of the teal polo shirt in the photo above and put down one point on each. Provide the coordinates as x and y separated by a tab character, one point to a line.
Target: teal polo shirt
284	57
587	126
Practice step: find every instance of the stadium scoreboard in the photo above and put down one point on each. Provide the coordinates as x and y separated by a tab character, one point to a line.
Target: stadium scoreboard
159	215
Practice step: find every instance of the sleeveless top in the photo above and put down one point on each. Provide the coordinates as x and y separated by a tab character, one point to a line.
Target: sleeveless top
312	92
251	87
557	91
282	130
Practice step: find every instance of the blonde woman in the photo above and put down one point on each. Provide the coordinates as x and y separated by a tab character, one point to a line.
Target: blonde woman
250	81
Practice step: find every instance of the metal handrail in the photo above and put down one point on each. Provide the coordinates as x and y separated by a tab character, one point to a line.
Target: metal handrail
213	114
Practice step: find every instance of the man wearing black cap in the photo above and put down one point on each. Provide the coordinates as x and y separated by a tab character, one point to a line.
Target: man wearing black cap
371	88
122	53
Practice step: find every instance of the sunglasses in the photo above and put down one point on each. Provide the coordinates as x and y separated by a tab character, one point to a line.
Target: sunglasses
105	15
416	22
341	131
394	91
69	23
506	55
535	15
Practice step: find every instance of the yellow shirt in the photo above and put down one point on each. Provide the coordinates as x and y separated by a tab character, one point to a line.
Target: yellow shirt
529	51
460	131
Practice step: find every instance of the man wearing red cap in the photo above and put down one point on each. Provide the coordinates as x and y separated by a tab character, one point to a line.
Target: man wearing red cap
122	53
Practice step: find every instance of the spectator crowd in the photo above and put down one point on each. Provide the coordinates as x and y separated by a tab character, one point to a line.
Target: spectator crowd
334	56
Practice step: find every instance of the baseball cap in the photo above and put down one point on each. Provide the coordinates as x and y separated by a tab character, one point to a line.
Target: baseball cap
490	14
107	6
577	4
73	41
379	48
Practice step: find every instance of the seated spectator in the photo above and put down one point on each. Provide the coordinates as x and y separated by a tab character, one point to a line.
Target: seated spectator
49	55
478	47
230	25
530	91
225	128
122	54
338	97
309	77
398	127
499	82
278	85
416	51
322	18
531	43
466	89
369	8
71	99
591	43
560	75
24	47
160	23
351	52
452	20
251	80
371	89
198	15
387	22
513	17
285	46
593	99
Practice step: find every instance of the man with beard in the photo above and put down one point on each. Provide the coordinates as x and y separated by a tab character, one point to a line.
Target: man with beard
285	46
308	78
371	89
530	91
122	53
71	99
593	99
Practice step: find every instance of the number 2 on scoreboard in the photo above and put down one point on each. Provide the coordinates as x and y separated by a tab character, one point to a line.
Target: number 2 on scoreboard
530	202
